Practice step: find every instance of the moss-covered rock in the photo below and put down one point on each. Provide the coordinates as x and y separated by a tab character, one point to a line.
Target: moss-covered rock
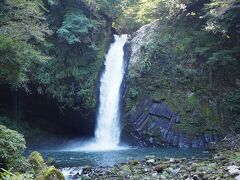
50	173
36	161
133	162
125	170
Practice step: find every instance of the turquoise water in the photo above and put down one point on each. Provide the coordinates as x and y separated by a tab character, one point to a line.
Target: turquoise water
110	158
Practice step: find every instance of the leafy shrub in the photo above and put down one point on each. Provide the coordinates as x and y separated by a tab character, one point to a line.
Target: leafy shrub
23	19
76	27
16	61
12	145
8	175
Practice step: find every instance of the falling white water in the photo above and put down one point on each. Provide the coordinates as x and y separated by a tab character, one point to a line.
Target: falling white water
107	133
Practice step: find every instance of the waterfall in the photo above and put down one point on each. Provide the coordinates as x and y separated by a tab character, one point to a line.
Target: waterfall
107	131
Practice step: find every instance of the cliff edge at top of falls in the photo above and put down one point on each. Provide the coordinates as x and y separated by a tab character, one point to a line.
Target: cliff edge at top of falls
159	110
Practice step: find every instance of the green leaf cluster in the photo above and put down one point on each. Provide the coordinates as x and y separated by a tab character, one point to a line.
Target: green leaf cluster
17	61
12	145
76	27
23	19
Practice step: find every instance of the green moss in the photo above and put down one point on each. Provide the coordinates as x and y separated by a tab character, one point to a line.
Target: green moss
50	173
36	161
126	170
156	132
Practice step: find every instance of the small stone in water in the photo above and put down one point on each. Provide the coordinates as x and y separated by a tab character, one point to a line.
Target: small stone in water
133	162
86	169
159	168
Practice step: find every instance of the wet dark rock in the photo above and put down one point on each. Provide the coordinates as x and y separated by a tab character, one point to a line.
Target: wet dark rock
152	124
196	177
133	162
76	176
159	168
86	169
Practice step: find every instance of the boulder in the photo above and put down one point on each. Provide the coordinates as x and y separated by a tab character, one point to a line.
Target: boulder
133	162
36	161
159	168
50	173
86	169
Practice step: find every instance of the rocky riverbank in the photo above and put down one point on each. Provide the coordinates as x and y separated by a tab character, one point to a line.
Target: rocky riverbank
221	165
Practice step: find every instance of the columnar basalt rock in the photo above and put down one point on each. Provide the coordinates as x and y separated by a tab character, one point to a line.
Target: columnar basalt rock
152	124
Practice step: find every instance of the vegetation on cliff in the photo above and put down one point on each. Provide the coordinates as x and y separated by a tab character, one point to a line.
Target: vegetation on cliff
189	57
57	46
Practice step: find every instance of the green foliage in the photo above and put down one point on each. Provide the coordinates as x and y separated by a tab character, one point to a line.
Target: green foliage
75	76
222	16
22	26
12	145
17	60
159	9
232	105
140	12
76	27
66	64
32	135
222	58
23	19
127	22
110	8
78	54
8	175
39	171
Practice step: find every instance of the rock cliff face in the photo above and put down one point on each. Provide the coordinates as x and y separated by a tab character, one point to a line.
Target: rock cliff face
153	124
150	121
